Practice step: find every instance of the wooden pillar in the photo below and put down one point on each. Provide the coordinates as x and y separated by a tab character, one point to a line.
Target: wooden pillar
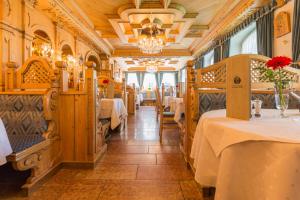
163	94
91	89
10	76
189	100
63	74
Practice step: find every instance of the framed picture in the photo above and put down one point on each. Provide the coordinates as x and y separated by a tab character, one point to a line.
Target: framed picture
282	24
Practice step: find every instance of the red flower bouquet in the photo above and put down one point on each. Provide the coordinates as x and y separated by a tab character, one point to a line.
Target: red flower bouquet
273	72
105	81
278	62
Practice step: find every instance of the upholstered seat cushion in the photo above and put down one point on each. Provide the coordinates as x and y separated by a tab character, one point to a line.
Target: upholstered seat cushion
21	103
24	123
21	142
169	114
104	122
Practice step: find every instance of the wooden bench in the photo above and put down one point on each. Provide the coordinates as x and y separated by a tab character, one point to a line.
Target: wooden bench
29	114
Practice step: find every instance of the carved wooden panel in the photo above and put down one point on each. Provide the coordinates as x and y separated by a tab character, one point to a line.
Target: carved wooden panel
282	24
36	73
218	74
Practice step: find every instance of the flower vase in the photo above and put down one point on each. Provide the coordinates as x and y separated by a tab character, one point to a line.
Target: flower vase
105	92
282	90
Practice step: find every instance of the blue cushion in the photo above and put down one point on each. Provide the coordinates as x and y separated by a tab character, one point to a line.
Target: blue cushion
21	142
104	121
169	113
21	103
23	123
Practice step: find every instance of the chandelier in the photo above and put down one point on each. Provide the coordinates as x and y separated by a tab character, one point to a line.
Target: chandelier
151	68
151	65
151	37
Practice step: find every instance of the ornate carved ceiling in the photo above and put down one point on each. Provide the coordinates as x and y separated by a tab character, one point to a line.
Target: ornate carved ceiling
163	63
118	21
113	25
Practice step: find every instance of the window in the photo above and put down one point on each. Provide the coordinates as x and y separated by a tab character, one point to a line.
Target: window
249	44
209	59
149	81
132	79
244	42
168	79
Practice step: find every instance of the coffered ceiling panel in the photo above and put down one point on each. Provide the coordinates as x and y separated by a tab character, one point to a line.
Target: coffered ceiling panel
181	23
118	21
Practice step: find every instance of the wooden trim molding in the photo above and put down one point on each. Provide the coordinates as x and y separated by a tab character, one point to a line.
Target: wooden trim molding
63	14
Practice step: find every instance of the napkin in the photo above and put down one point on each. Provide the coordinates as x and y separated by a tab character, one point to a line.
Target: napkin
5	148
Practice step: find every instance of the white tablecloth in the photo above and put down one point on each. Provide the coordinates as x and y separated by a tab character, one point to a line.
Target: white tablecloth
5	148
179	109
172	102
139	99
113	109
246	160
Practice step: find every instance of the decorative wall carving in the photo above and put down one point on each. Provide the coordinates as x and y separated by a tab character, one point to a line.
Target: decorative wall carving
282	24
8	7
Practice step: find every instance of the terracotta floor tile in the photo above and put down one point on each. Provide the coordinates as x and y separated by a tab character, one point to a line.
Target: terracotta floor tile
170	159
120	149
81	191
163	172
136	167
65	177
164	149
191	190
132	159
142	190
112	171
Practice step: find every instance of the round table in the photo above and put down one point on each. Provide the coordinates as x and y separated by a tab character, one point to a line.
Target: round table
246	160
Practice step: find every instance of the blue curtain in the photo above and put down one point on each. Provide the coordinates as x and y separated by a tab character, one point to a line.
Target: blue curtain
199	63
156	79
140	78
296	33
160	78
217	54
265	31
226	49
176	78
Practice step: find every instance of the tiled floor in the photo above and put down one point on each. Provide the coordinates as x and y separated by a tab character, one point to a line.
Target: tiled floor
136	167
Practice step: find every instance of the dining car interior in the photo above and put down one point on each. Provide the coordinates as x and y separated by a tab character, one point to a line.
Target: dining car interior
150	99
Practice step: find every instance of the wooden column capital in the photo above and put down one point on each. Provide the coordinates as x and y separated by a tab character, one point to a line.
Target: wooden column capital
91	64
12	65
61	64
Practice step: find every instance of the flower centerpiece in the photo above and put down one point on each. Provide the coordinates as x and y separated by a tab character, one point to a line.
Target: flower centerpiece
105	83
274	72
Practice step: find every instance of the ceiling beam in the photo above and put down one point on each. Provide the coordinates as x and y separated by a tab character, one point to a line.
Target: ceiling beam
81	13
138	53
137	3
199	27
165	3
142	69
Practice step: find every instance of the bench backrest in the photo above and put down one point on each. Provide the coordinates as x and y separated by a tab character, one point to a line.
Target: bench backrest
23	114
217	100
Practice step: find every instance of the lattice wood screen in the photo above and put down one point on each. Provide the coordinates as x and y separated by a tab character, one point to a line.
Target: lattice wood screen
216	75
36	73
256	74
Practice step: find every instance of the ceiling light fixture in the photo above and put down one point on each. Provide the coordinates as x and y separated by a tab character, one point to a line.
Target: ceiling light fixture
151	37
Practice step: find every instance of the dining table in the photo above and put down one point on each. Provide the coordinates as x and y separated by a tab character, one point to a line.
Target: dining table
5	147
176	105
113	109
139	99
246	160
